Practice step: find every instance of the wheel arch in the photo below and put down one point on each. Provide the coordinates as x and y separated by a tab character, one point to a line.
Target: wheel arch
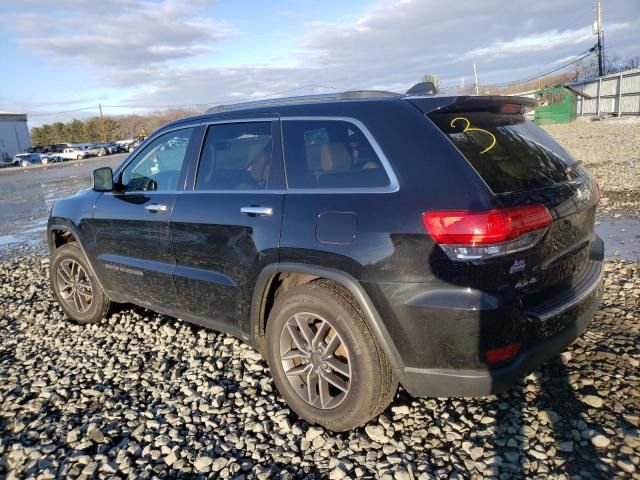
265	282
54	230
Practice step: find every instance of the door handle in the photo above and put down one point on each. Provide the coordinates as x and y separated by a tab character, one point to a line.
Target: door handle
257	211
156	208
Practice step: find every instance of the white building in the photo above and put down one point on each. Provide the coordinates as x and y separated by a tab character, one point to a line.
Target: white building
14	134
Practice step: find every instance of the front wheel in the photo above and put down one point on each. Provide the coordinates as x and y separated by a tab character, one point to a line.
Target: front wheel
76	288
324	359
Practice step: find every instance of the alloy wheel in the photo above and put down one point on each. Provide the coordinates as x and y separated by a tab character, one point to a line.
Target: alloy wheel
74	285
315	360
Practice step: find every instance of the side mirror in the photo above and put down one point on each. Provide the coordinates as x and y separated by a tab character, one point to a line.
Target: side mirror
102	179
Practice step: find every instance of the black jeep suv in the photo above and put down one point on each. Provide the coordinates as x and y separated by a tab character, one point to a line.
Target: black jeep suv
357	240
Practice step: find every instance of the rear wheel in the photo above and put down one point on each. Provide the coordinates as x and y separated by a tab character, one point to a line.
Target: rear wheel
77	290
325	360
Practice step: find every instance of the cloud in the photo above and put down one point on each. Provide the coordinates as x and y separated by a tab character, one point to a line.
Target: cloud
118	33
391	45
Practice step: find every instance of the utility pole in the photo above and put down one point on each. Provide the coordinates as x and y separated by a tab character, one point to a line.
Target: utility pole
104	136
475	77
597	26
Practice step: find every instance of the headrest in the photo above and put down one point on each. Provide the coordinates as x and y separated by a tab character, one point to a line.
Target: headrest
259	167
334	157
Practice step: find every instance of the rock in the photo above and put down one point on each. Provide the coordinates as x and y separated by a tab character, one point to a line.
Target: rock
203	464
170	459
401	410
537	454
476	453
626	466
632	440
593	401
565	446
377	434
313	432
95	435
600	441
218	464
337	474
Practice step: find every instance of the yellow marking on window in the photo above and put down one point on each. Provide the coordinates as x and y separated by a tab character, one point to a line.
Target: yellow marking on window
469	128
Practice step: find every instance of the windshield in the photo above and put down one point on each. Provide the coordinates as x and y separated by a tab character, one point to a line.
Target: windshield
510	153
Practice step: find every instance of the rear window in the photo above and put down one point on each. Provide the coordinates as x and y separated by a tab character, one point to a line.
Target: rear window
330	154
510	153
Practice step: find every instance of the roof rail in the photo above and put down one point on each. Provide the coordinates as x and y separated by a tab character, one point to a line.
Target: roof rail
324	97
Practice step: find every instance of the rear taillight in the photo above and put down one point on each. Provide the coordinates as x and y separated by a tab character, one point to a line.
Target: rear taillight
502	354
468	235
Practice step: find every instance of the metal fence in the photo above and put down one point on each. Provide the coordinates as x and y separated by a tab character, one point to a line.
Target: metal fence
617	94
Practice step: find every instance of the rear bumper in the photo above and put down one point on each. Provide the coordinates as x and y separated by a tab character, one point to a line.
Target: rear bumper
476	383
447	344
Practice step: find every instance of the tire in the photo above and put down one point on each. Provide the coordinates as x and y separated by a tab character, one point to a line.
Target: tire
358	364
83	305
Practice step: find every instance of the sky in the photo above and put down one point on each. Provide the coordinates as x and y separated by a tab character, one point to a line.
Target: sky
76	54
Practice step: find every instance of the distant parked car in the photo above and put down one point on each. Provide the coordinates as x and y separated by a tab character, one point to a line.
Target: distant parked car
113	147
26	159
73	153
59	147
48	158
96	150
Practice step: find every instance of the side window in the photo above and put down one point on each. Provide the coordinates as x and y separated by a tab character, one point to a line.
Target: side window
330	154
236	156
157	167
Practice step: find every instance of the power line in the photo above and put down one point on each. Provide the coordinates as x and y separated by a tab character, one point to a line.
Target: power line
584	55
61	112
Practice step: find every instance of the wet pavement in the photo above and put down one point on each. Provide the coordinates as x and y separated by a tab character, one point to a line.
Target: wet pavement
621	236
26	195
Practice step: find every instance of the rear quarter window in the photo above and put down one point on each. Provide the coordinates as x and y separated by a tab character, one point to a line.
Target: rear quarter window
510	153
322	154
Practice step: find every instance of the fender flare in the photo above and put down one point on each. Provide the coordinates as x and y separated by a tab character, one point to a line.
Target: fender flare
372	317
73	231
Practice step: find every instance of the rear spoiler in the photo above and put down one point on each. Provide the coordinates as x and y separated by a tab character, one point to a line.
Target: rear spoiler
467	103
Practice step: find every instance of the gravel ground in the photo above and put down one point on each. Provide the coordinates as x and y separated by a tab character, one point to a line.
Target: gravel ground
142	395
610	149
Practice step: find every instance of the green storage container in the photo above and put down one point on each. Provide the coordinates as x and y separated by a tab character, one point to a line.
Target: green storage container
555	105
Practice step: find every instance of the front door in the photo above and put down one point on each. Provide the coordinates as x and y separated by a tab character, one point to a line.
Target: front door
133	241
227	228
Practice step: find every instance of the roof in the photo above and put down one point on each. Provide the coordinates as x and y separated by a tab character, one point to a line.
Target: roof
306	99
11	116
343	104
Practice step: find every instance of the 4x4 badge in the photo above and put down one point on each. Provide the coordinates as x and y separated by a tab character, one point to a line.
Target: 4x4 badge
518	266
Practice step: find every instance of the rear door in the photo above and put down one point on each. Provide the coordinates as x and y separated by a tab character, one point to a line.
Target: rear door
227	227
133	241
521	164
